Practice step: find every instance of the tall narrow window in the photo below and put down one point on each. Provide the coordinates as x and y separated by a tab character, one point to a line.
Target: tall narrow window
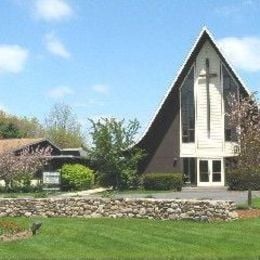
189	170
230	88
188	109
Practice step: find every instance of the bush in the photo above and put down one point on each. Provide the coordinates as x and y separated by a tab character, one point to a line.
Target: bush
20	187
238	180
163	181
76	177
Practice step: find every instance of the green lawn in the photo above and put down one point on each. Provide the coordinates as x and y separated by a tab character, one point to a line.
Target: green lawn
74	238
256	203
41	194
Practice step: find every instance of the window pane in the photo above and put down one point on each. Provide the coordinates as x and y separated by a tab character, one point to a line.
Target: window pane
188	108
193	171
204	174
189	170
227	134
216	171
204	166
230	88
186	167
217	177
216	166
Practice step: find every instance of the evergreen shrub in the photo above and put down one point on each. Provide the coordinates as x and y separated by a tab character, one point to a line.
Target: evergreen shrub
163	181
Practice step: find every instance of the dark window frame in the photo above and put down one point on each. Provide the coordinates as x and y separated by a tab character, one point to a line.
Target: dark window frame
189	168
227	89
188	107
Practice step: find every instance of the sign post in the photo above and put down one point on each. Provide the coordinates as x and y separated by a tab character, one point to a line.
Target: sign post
51	181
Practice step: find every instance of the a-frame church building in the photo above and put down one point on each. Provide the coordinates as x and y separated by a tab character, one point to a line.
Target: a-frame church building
190	133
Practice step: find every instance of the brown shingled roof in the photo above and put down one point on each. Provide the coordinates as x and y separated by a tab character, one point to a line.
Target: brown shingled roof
8	145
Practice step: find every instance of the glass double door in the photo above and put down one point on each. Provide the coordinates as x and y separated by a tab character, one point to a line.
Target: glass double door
210	172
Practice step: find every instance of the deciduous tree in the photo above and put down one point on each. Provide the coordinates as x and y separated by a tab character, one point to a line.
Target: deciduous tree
63	128
245	118
115	163
12	126
22	166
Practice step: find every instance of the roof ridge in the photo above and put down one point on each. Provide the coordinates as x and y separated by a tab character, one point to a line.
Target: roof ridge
178	74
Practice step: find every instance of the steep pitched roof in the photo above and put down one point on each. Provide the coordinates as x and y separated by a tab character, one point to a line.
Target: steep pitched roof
10	145
204	35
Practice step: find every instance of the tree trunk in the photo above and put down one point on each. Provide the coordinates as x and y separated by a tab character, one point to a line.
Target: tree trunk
249	198
8	185
117	182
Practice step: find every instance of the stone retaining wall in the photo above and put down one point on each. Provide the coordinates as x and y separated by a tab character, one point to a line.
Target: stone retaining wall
205	210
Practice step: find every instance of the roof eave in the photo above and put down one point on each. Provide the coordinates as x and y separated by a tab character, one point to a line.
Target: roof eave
208	34
34	143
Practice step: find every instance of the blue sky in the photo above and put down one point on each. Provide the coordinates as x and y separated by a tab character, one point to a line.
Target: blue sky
113	58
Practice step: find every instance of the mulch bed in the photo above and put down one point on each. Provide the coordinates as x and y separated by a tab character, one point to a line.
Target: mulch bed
16	236
10	230
248	213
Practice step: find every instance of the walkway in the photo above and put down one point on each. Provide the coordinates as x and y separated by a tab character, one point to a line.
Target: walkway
82	193
214	193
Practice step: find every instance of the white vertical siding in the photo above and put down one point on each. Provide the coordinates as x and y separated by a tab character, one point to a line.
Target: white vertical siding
215	92
215	144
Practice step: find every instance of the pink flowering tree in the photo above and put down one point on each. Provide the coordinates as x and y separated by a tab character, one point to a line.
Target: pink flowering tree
21	167
245	118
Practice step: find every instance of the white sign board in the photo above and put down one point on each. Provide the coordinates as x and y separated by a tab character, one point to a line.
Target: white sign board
51	178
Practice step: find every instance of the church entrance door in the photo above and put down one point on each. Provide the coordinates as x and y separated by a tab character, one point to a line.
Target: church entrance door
210	172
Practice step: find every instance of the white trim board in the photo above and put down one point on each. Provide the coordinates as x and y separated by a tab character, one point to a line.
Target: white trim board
210	36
